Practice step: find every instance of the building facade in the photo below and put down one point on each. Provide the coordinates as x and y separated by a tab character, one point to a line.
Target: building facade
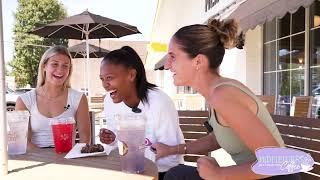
282	44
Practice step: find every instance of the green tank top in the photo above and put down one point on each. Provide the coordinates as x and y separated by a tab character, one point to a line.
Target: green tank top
230	142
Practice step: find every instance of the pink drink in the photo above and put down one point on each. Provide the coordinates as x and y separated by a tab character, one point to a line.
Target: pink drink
62	135
133	159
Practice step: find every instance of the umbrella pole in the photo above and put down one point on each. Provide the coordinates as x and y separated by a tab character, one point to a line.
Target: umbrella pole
3	124
87	62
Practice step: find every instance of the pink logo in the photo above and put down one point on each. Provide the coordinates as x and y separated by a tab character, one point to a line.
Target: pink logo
147	142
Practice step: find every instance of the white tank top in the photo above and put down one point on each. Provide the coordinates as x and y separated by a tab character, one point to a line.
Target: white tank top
41	130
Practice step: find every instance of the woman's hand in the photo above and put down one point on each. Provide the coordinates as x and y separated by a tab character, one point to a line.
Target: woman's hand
106	136
162	150
208	168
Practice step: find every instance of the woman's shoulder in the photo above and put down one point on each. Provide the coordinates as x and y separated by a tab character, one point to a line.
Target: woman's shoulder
75	92
158	97
28	94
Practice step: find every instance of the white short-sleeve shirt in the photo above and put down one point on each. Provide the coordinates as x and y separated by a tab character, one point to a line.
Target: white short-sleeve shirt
41	130
162	124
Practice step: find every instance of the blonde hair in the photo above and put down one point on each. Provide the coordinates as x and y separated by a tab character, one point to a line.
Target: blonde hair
44	60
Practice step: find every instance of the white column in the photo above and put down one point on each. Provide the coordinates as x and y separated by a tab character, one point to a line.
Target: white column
3	119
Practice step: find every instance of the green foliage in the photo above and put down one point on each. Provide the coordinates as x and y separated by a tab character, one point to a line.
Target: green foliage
28	47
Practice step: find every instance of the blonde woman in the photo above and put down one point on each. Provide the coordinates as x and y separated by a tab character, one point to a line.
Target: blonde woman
54	98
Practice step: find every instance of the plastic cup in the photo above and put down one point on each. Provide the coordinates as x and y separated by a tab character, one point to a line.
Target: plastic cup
131	138
17	130
62	130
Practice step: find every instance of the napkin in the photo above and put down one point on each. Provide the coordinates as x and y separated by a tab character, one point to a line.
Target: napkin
75	152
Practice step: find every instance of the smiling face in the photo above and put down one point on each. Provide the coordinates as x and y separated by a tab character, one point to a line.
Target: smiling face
118	81
57	69
180	64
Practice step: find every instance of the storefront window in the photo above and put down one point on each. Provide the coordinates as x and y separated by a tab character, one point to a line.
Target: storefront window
268	81
298	21
284	59
185	90
284	26
284	53
270	62
315	14
297	51
269	32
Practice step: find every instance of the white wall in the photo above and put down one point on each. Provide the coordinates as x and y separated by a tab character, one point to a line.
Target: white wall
174	14
234	65
254	59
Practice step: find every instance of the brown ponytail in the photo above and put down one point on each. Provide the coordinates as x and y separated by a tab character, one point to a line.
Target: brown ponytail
226	30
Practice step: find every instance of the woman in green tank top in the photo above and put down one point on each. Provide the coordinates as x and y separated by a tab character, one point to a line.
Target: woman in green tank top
241	123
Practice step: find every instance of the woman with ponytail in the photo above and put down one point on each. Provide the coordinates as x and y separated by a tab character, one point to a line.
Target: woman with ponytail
240	121
123	76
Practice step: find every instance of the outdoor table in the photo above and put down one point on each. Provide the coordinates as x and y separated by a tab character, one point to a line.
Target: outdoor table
47	163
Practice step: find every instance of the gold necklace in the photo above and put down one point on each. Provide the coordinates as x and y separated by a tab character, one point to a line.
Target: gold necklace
45	95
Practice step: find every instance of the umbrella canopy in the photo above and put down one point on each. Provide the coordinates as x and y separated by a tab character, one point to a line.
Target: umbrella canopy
79	51
77	26
86	26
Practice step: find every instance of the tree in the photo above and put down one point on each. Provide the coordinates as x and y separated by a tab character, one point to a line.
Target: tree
28	47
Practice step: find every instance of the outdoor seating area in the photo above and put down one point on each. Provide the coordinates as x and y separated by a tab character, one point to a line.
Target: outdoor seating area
303	134
297	132
109	91
96	103
191	124
301	106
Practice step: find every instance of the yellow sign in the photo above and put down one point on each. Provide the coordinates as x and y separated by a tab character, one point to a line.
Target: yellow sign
158	47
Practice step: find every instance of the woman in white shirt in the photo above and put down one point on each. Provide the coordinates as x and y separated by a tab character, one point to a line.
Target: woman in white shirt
54	98
123	76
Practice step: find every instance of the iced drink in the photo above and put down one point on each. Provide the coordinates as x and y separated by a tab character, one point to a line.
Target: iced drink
131	137
17	131
62	134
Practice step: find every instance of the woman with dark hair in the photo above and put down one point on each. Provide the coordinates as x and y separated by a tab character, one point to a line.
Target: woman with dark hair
123	76
240	121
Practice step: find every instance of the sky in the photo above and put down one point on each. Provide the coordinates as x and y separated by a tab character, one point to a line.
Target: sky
139	13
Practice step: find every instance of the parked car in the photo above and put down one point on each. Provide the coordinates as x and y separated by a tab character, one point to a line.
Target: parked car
12	96
316	95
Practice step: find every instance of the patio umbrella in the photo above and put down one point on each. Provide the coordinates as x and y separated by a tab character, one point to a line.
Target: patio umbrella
86	26
79	51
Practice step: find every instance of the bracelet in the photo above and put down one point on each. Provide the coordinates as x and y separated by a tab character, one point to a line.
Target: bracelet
185	149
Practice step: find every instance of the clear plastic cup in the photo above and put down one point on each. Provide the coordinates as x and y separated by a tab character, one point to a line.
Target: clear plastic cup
17	130
62	130
131	139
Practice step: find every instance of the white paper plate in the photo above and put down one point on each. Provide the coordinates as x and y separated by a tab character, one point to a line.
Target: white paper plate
75	152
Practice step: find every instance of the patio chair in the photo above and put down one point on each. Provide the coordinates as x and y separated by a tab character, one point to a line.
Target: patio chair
92	123
269	101
301	106
96	103
191	124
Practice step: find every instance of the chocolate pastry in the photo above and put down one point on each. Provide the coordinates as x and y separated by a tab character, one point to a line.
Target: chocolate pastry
92	148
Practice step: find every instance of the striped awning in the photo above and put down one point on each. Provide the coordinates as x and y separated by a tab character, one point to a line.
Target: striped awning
250	13
160	64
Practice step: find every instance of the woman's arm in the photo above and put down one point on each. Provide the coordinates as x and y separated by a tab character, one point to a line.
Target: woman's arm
241	117
205	144
208	168
20	106
83	120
